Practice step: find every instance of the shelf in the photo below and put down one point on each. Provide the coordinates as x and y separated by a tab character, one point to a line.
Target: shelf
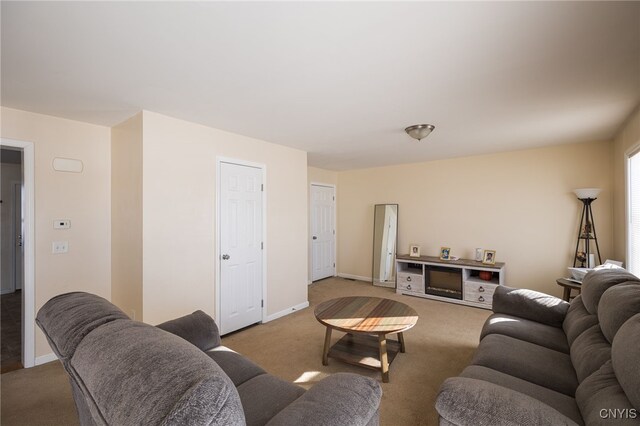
477	280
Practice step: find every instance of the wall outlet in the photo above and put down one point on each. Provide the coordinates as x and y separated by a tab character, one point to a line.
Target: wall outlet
59	247
61	224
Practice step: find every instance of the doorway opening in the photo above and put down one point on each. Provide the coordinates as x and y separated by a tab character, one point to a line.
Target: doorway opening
12	258
17	266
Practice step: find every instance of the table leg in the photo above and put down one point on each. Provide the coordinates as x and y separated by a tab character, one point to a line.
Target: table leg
327	343
384	361
566	294
401	341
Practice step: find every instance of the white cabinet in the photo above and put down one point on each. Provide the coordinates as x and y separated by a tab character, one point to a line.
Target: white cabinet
462	281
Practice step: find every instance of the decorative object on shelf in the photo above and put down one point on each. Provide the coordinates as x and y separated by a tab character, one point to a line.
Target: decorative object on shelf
489	257
587	229
445	252
419	131
414	251
478	255
485	275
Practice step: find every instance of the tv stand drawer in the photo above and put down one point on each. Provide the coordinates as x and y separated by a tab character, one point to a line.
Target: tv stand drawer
479	293
410	282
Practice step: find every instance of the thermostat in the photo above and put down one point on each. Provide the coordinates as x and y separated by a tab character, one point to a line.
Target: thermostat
61	224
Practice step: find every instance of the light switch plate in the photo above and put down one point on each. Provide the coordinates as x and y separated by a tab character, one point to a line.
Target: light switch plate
61	224
60	247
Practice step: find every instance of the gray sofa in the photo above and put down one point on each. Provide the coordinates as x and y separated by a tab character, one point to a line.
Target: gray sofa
124	372
543	361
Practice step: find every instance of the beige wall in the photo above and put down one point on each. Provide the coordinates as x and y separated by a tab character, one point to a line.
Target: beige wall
316	175
179	189
627	140
518	203
126	216
84	198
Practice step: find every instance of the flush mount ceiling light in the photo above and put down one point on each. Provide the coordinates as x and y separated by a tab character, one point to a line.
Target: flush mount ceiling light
419	131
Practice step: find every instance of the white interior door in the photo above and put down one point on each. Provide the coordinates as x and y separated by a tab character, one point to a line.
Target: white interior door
241	265
323	203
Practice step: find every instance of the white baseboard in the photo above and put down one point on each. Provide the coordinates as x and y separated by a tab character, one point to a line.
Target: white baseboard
46	358
287	311
354	277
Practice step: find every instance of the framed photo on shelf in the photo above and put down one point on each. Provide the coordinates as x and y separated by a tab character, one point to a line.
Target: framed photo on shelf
489	257
414	250
445	253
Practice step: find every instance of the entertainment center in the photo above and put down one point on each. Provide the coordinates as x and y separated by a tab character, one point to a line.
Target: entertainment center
455	281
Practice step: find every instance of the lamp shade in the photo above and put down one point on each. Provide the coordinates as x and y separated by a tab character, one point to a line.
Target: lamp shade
586	193
419	131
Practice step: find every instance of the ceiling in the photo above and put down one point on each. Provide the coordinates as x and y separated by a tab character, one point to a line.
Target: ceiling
338	80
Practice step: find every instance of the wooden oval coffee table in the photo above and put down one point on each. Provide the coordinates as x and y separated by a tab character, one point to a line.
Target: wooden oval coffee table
367	321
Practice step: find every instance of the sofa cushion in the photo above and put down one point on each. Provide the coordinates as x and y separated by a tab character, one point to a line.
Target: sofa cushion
625	354
561	402
523	329
595	283
617	305
134	373
529	304
527	361
589	352
201	405
601	391
465	401
197	328
66	319
340	399
578	320
264	396
237	367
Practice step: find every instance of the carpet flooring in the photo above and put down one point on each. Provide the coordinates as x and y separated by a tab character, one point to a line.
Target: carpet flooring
11	331
439	346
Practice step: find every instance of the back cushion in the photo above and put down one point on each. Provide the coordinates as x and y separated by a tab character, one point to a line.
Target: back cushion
625	355
595	283
617	305
68	318
578	320
589	352
601	391
134	373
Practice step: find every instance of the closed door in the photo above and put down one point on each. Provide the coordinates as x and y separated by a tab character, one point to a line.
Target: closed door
322	232
241	245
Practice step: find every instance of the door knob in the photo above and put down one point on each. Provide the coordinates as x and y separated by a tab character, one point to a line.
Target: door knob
315	238
225	257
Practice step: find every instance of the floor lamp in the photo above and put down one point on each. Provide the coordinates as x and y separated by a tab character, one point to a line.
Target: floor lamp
587	229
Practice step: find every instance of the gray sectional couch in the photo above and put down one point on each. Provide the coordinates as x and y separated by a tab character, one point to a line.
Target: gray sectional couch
124	372
543	361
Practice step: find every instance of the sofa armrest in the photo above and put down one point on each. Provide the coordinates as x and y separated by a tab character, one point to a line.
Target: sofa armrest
529	304
465	401
197	328
340	399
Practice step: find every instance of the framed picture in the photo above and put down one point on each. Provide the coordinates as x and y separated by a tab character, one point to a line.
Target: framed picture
489	257
445	252
414	251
